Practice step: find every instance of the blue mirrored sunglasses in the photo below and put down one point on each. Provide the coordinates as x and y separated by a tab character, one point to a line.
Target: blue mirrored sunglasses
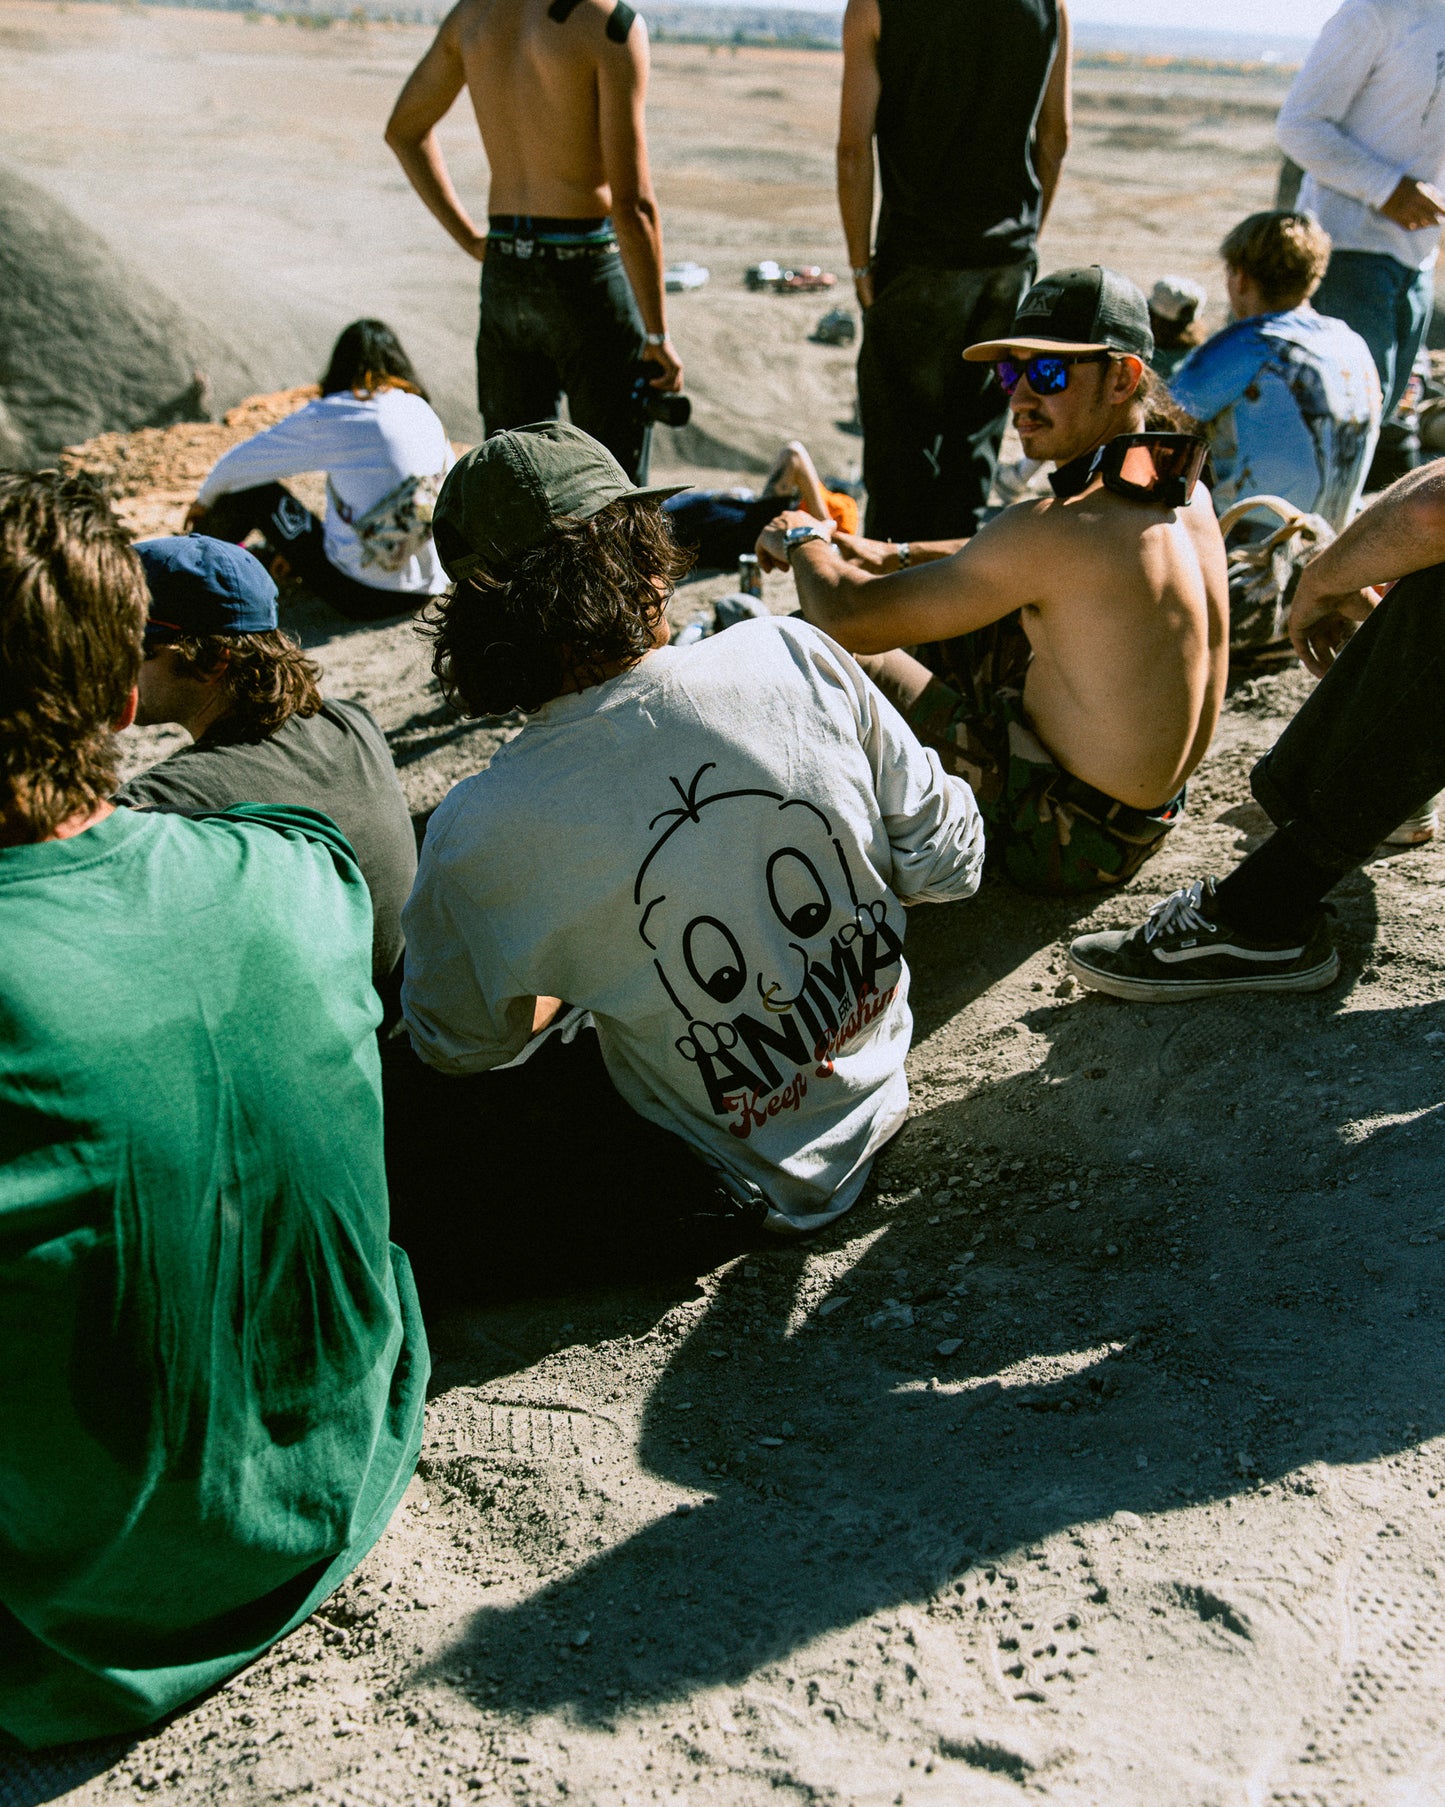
1047	374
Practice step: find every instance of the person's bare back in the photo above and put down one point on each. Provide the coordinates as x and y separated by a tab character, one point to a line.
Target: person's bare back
533	81
1126	607
572	287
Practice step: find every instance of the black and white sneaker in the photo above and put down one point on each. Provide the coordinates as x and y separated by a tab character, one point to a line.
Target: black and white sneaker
1181	952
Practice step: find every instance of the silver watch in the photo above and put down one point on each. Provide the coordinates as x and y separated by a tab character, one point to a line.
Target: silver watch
799	536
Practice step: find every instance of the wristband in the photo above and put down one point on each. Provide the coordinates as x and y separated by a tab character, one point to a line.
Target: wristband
662	338
862	270
904	549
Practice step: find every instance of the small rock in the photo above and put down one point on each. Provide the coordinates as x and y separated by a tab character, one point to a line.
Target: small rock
1128	1521
1028	1242
718	1355
1111	1248
770	1442
950	1345
682	1509
581	1638
751	1273
787	1429
894	1316
836	1303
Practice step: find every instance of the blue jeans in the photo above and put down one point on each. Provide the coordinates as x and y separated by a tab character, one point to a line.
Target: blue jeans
1388	304
932	424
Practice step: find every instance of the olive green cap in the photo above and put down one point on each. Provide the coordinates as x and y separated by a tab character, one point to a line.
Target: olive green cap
508	495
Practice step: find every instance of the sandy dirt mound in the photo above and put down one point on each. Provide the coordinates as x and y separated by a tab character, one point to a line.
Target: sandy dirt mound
87	341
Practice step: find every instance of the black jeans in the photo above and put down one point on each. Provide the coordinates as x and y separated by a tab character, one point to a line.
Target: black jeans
1368	747
293	532
932	424
509	1182
555	325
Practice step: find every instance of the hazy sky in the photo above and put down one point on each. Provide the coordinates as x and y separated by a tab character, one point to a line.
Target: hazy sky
1286	17
1281	18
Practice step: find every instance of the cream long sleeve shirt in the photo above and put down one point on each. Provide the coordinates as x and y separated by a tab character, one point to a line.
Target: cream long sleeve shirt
1367	108
367	445
711	853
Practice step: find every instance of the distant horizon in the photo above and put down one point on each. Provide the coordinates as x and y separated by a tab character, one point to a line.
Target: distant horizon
1295	21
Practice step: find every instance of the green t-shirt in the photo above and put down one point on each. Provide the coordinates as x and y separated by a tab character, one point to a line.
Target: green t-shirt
212	1366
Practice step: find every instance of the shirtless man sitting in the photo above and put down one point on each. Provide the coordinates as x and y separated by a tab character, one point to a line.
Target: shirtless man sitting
1089	676
572	270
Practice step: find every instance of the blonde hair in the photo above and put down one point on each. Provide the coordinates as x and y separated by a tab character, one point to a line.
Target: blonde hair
1285	255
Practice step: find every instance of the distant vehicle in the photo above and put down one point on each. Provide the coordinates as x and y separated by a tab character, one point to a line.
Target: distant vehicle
837	327
772	277
688	275
807	280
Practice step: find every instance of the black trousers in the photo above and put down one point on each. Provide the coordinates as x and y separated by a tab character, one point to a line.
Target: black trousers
932	424
1368	747
292	531
555	325
513	1182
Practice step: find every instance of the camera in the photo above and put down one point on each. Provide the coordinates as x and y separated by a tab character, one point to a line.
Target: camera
665	407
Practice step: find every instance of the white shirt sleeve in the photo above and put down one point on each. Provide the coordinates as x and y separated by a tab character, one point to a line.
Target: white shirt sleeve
932	819
301	442
1336	70
463	1009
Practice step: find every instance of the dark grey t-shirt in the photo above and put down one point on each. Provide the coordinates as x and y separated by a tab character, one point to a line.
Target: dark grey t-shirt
336	761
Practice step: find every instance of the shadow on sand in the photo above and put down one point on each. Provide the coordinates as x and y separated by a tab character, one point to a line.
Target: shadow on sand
1267	1299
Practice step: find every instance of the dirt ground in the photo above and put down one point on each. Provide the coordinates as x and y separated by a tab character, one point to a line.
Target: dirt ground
1095	1457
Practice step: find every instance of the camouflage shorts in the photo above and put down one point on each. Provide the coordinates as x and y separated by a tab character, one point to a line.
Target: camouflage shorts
1049	831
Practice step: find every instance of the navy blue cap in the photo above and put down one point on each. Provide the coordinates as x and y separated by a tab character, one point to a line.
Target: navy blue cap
203	586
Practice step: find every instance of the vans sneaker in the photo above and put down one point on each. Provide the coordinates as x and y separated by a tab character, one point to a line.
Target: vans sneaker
1180	952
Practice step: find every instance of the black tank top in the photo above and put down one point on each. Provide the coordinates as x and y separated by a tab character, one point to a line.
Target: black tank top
961	82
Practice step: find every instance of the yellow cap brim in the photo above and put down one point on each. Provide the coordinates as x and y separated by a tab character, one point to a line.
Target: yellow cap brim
991	349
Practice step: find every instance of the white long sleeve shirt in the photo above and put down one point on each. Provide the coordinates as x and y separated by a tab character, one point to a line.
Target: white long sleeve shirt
366	445
711	853
1368	108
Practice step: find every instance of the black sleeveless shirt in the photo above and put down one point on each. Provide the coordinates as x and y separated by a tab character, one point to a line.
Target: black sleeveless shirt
961	84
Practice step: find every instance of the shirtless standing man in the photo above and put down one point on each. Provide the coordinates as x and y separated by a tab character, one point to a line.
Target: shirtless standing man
1093	671
572	273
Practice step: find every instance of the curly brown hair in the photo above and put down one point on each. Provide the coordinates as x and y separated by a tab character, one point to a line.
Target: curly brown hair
73	602
575	609
266	677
